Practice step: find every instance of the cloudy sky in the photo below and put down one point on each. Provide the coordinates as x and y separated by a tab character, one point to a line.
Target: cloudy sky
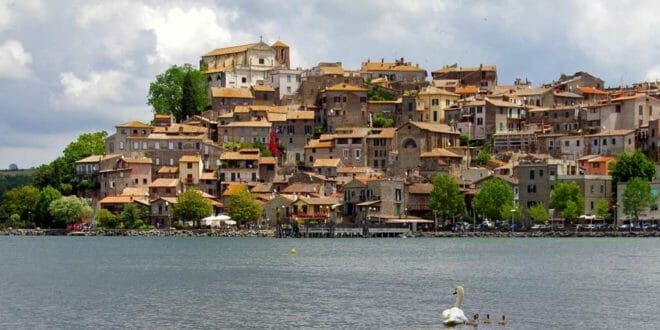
68	67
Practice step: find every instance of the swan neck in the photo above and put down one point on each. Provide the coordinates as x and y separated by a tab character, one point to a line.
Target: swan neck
459	299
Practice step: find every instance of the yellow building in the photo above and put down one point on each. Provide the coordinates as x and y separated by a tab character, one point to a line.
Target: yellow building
432	102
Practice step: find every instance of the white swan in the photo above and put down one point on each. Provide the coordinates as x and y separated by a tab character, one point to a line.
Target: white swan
455	315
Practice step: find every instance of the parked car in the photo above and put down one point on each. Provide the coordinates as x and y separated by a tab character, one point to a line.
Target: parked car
538	227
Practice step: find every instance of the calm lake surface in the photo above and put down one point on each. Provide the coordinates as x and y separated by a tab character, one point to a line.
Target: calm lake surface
124	282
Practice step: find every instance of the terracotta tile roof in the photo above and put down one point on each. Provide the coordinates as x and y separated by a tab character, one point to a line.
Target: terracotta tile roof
134	124
190	159
279	44
432	90
302	188
420	188
602	159
134	191
123	200
326	162
382	66
316	143
355	169
344	87
506	178
230	50
162	117
616	132
263	88
440	152
382	133
469	89
234	189
266	187
629	97
568	95
432	127
331	70
253	123
161	182
499	103
234	93
531	91
591	90
455	68
302	115
168	170
97	158
234	155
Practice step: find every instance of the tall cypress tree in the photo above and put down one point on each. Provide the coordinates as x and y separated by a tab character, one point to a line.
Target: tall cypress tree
188	102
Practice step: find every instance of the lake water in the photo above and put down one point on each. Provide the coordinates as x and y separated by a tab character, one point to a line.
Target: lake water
124	282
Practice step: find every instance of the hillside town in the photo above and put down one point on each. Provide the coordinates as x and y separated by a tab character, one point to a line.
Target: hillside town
336	146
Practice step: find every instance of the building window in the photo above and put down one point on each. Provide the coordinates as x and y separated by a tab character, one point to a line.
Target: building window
531	174
397	194
288	78
189	165
613	141
540	173
121	145
171	161
243	79
357	154
170	145
434	102
641	109
144	145
617	108
345	154
136	146
261	60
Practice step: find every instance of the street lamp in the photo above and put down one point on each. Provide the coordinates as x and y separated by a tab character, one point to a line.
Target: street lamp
512	213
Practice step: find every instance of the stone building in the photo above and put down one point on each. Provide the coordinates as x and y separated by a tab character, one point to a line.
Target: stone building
484	76
432	102
397	71
610	142
344	105
379	145
224	100
119	141
415	138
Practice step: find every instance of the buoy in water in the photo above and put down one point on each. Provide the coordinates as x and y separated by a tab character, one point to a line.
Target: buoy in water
293	251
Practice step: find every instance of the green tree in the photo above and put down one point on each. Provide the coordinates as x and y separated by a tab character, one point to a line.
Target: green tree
243	207
483	157
20	201
571	211
192	206
563	193
602	210
42	214
61	172
506	214
632	165
380	121
106	220
538	213
15	221
166	92
446	199
637	197
133	216
489	200
188	101
70	209
465	140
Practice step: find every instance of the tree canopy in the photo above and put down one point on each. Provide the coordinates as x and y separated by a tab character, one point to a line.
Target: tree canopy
380	121
632	165
602	209
61	173
42	215
509	210
20	201
563	193
483	157
243	207
538	213
637	198
571	211
446	199
489	200
70	209
192	206
178	91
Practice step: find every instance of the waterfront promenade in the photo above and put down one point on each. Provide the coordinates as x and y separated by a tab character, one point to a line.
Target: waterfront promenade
324	233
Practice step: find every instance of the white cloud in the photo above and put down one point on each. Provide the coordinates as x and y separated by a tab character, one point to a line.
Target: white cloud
182	36
14	61
105	86
10	11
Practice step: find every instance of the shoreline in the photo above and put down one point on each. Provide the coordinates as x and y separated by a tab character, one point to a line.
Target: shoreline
271	233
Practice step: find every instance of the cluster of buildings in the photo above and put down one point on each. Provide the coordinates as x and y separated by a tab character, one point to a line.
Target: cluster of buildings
361	146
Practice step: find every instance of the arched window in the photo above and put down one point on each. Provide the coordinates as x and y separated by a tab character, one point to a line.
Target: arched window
410	143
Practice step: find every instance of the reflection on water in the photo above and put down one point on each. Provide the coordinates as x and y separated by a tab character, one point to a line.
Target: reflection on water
66	282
